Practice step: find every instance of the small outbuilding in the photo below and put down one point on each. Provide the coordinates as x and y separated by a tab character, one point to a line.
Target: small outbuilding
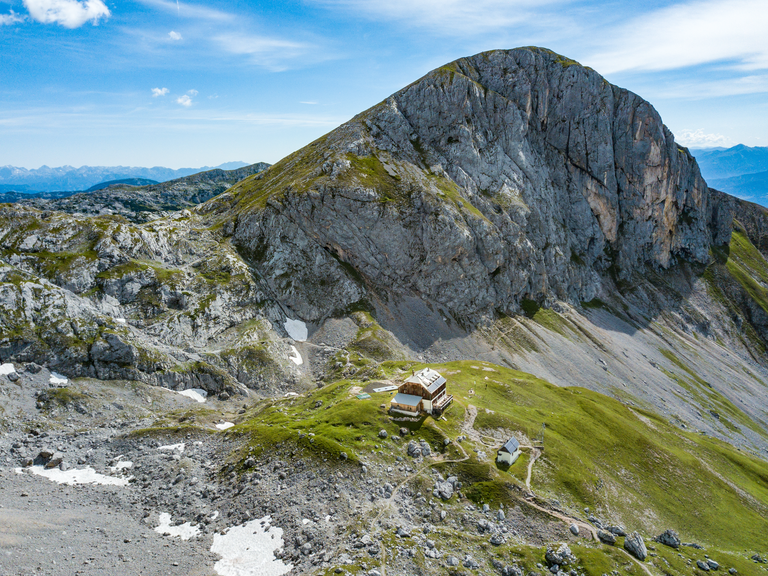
508	453
424	391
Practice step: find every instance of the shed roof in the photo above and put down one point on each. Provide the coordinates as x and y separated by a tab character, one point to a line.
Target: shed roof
430	379
511	446
406	399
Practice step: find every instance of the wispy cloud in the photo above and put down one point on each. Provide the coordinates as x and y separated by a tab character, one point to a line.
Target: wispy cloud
309	102
11	18
159	92
193	92
462	17
732	32
263	50
729	85
700	139
43	119
67	13
174	35
189	10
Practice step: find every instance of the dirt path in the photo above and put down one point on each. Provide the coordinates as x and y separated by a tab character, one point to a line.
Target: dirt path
535	453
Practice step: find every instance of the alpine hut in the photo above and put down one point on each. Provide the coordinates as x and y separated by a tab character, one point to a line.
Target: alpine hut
424	391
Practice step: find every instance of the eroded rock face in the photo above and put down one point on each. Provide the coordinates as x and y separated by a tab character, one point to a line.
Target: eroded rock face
508	175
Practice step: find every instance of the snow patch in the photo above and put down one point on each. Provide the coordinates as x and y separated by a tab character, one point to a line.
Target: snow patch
214	515
288	394
179	447
305	521
248	550
85	475
120	320
184	531
296	329
295	357
57	379
6	369
197	394
224	425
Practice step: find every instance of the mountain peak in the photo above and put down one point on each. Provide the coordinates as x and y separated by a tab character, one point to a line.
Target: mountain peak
504	176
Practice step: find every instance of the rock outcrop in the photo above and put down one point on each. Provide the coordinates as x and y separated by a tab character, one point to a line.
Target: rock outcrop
635	545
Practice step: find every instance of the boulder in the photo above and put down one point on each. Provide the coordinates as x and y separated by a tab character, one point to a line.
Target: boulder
702	565
669	538
497	539
712	564
56	459
444	490
414	450
616	530
606	537
574	529
560	557
383	434
634	544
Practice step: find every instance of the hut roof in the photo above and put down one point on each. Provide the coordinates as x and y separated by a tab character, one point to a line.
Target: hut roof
430	379
511	445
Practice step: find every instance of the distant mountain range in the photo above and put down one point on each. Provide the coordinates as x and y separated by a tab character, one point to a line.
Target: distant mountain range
69	178
752	187
741	170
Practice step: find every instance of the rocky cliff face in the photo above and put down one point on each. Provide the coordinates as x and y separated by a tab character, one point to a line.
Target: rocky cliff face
506	176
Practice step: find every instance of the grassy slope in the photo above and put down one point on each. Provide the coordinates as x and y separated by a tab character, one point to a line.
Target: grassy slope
627	465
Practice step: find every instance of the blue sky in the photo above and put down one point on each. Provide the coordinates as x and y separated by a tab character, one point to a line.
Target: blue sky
187	83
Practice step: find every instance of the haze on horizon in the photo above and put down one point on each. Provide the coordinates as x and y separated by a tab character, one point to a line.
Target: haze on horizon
162	83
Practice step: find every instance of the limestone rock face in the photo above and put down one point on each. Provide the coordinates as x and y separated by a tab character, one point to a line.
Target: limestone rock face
508	175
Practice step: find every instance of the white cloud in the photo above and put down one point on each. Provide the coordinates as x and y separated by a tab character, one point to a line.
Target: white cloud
700	139
184	100
174	35
192	92
310	102
12	18
159	92
67	13
689	34
462	17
